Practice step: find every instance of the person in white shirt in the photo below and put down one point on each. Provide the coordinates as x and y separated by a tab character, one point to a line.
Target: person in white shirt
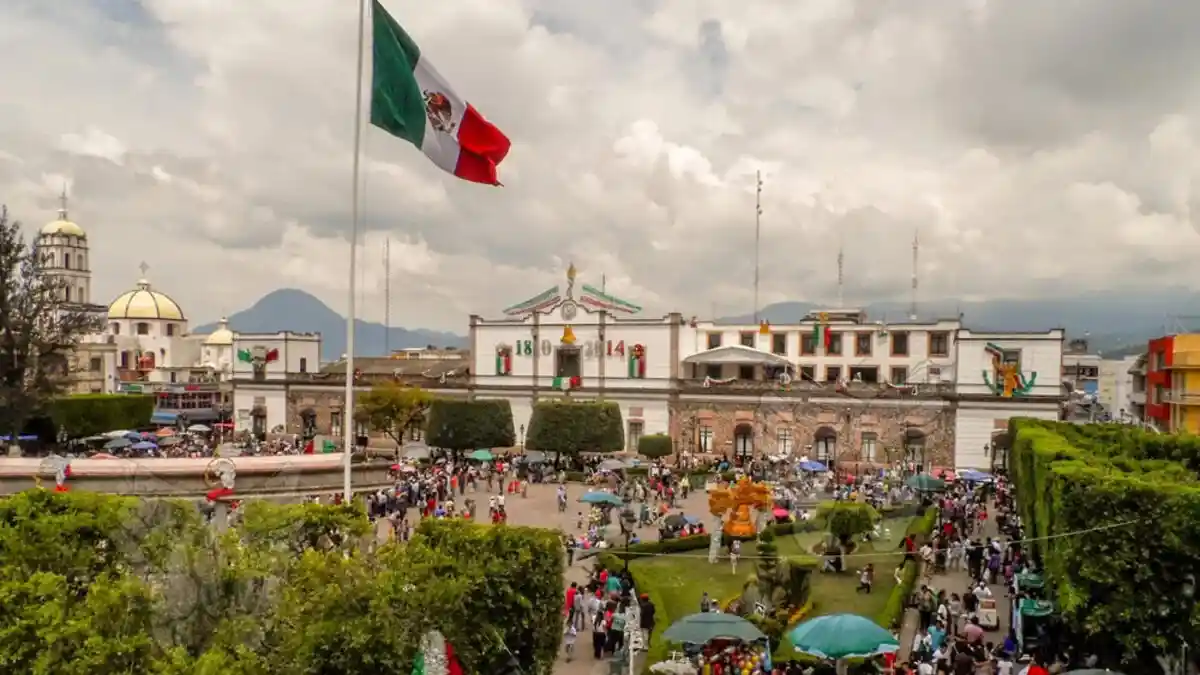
925	668
1004	665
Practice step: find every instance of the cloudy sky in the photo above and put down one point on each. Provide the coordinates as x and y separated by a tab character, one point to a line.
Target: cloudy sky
1040	148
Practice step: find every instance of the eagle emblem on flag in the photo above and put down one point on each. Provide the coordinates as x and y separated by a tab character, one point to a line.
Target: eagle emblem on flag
439	111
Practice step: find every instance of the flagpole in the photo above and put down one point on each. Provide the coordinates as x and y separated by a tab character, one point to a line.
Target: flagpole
348	414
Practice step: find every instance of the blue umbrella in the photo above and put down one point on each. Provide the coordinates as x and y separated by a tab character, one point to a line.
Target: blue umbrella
117	444
22	437
144	445
601	498
809	465
134	436
842	636
974	476
691	520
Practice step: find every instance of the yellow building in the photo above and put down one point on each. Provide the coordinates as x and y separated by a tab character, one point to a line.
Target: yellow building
1183	396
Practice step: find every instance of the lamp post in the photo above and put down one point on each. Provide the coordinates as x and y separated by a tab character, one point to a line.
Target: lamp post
521	438
1188	590
628	522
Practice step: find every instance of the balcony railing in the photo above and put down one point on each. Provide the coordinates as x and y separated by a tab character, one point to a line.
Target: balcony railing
1182	397
859	389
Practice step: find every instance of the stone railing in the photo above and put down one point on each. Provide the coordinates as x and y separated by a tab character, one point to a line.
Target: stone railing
804	388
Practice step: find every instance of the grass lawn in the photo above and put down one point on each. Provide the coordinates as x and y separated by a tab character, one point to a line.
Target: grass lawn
676	582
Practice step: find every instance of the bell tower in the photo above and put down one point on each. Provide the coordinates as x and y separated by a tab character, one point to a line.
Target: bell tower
62	249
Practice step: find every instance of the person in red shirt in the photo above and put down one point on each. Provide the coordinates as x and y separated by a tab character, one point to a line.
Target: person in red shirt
571	598
1036	668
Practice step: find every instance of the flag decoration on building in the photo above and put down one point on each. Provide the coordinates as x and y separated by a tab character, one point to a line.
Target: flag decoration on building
764	327
504	360
637	362
568	383
247	356
412	101
827	332
436	657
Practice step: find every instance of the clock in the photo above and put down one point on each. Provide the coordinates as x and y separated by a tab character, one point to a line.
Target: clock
569	311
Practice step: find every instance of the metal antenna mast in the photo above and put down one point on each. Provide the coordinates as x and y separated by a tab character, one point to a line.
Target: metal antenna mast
916	247
758	185
387	296
841	263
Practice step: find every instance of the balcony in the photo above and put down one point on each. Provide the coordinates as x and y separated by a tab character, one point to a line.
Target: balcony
795	388
1182	397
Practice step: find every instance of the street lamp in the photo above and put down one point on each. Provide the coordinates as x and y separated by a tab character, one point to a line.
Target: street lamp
628	523
521	442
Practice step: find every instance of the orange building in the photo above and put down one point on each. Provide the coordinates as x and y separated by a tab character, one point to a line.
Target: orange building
1173	382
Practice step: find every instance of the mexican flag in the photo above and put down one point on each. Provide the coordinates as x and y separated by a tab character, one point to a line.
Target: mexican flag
411	101
568	383
436	657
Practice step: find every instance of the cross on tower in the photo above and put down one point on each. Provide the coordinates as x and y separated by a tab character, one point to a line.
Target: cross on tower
62	202
144	268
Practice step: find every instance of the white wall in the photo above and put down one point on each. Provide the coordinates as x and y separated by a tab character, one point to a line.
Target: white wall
1040	352
274	400
975	424
1116	385
916	363
295	349
619	334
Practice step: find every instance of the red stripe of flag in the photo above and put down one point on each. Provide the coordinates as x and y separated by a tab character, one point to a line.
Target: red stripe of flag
482	146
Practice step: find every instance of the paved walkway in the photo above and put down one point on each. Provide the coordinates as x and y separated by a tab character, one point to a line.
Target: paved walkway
959	581
540	509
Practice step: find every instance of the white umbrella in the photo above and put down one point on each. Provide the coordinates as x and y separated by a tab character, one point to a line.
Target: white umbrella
199	429
119	433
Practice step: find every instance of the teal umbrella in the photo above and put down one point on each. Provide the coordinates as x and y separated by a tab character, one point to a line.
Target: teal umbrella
601	498
925	483
842	636
705	627
482	456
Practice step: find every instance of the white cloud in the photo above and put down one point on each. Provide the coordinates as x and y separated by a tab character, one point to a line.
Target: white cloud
214	140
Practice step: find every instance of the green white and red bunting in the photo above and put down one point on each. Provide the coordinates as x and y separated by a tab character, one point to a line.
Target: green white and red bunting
436	657
412	101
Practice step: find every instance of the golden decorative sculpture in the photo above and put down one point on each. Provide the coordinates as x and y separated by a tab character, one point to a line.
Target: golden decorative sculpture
568	337
737	500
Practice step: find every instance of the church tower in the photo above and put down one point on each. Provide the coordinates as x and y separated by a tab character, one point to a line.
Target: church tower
63	250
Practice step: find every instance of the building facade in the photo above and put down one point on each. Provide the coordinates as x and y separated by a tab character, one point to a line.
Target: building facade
1116	390
1000	376
264	364
1160	361
62	250
1081	368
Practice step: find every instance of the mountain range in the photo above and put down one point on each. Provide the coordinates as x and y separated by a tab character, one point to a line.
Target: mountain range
1115	324
295	310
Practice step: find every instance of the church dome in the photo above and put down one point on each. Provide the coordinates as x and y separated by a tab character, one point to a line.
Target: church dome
63	226
222	336
144	303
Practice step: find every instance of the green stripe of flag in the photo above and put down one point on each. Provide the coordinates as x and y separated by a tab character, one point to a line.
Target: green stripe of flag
397	104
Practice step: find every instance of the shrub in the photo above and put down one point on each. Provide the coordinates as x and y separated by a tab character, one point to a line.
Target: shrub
571	427
91	414
461	425
655	446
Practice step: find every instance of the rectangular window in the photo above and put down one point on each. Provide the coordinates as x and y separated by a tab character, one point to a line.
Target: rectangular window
939	344
97	364
714	340
835	344
705	440
808	346
303	364
416	433
808	373
745	372
635	435
335	424
779	344
569	363
833	373
747	339
899	375
170	330
143	328
935	374
783	441
866	374
900	343
862	344
869	442
713	371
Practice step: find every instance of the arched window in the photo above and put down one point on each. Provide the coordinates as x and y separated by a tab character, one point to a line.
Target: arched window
143	328
116	328
743	440
825	444
67	260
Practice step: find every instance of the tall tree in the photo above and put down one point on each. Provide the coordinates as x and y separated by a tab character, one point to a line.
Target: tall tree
394	409
39	330
458	425
572	427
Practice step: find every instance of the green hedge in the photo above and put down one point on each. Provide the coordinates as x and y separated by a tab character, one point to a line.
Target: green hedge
464	425
893	612
91	414
1115	515
570	427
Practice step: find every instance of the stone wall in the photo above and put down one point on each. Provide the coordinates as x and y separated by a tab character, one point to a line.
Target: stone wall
895	427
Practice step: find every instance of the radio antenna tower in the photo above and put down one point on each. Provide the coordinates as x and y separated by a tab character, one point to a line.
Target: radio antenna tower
758	185
916	247
841	274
